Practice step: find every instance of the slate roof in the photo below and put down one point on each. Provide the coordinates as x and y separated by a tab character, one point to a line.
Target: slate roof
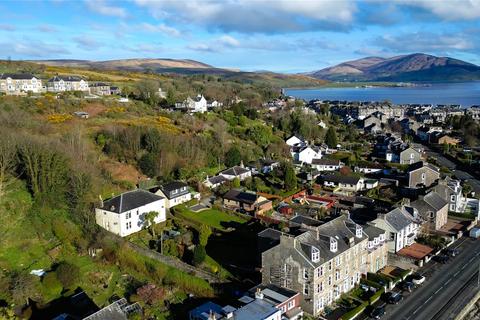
326	162
398	218
421	164
235	171
430	202
338	178
174	185
130	200
65	78
306	221
217	180
17	76
373	232
240	196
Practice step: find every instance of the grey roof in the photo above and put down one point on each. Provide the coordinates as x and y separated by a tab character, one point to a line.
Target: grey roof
217	179
256	310
174	185
430	202
299	219
235	171
338	178
240	196
65	78
17	76
373	232
274	294
130	200
326	162
398	218
420	165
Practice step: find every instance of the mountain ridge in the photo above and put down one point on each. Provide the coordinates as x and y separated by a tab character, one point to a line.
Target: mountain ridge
411	67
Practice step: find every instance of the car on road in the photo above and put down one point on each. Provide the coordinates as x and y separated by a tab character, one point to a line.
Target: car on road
393	297
377	312
407	286
418	279
452	252
443	258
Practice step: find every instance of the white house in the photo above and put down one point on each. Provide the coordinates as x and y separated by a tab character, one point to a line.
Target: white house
239	172
16	83
125	214
295	141
175	192
198	104
326	164
401	225
306	155
347	183
67	83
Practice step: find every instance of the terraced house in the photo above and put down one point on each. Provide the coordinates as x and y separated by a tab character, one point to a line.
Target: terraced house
12	83
322	262
67	83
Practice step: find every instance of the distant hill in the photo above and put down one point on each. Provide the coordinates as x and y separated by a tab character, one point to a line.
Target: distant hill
412	67
186	67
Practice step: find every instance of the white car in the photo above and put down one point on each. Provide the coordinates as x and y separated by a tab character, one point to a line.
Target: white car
418	279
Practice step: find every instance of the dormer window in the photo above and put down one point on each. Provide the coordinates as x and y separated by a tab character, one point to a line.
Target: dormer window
315	254
358	231
333	245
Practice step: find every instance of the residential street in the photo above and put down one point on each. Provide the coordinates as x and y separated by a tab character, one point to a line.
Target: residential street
459	174
448	287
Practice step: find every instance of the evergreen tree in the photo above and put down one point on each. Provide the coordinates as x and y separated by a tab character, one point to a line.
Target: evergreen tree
331	137
290	178
233	157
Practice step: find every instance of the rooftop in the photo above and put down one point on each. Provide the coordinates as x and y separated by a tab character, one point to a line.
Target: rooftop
130	200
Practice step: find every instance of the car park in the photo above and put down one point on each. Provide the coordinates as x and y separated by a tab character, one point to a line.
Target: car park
393	297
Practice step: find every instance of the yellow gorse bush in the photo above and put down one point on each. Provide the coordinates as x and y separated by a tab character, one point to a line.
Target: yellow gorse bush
59	117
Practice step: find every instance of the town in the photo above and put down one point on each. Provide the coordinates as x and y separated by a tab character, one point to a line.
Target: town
341	208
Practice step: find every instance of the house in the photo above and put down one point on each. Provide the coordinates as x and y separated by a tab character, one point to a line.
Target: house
268	166
446	139
451	190
433	209
401	226
215	182
198	104
421	174
409	156
16	83
346	183
326	164
248	201
103	89
320	261
306	155
67	83
125	214
253	309
286	300
369	168
175	193
239	172
372	124
428	133
295	141
118	310
377	248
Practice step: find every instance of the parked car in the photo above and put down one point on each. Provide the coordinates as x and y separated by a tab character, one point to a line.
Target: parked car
407	286
418	279
443	258
377	312
453	252
393	297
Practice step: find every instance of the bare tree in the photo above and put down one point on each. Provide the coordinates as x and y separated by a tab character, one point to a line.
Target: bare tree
7	162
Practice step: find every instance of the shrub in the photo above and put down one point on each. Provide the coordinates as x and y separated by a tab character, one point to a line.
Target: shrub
68	274
51	286
199	255
354	312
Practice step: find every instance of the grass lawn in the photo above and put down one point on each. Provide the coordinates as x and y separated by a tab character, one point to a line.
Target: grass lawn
211	217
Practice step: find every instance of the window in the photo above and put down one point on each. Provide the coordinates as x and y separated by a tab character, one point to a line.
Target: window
329	280
319	271
315	254
320	304
305	289
129	225
358	231
337	275
128	215
338	261
305	273
138	212
352	281
452	198
333	244
423	176
291	304
330	265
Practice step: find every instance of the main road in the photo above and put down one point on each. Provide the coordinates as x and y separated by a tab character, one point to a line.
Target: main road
447	289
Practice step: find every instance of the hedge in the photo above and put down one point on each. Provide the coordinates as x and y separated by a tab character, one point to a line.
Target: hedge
376	295
355	312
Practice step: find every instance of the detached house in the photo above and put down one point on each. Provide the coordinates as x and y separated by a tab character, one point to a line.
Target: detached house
422	174
346	183
12	83
248	201
433	210
326	164
401	226
197	104
175	193
239	172
320	262
125	214
67	83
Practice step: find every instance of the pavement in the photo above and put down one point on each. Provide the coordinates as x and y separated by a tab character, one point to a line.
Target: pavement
447	289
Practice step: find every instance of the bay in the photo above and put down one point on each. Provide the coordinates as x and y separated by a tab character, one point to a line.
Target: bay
463	93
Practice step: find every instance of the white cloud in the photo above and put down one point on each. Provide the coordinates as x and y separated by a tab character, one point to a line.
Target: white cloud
103	8
162	28
264	16
448	9
30	48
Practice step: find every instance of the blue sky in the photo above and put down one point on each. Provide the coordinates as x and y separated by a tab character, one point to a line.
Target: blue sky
276	35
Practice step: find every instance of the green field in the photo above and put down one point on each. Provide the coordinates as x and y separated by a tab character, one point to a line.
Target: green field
211	217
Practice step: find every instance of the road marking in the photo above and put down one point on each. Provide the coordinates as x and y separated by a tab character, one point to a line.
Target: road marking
448	281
